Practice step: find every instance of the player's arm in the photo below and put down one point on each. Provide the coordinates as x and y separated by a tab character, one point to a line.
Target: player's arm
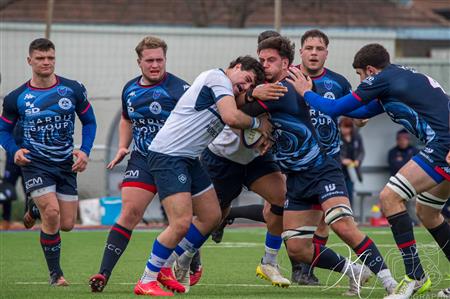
237	119
367	111
125	138
8	121
86	115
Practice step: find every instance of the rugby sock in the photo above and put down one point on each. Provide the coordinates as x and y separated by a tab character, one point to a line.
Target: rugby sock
320	240
370	255
252	212
273	245
156	261
189	245
441	234
402	229
326	258
116	244
51	245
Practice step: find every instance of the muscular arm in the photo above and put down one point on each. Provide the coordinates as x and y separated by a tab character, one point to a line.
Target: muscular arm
341	106
367	111
125	132
89	129
231	115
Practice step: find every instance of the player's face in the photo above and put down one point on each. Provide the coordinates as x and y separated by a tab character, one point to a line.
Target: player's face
242	80
153	64
313	53
42	62
273	64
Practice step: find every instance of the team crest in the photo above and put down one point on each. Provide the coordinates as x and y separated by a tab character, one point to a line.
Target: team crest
182	178
156	94
328	84
62	90
369	80
329	95
155	108
65	103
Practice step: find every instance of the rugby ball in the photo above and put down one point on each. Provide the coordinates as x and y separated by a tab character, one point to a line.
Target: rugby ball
250	137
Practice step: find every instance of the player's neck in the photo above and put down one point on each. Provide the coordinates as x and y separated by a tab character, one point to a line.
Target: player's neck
311	73
43	82
283	74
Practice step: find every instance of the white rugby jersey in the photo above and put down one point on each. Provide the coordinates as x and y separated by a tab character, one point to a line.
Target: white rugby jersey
228	145
195	120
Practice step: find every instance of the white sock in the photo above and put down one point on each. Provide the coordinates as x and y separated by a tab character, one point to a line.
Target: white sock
171	260
149	276
185	259
270	256
385	277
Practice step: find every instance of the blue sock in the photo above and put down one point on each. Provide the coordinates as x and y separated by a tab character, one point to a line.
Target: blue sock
326	258
51	245
370	255
192	241
273	245
158	257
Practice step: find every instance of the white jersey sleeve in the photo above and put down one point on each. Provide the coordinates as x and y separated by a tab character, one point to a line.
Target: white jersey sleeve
195	120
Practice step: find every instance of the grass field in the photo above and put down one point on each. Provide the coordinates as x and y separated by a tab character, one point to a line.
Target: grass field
229	266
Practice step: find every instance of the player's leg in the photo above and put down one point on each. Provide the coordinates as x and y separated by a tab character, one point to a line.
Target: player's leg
414	178
265	179
10	175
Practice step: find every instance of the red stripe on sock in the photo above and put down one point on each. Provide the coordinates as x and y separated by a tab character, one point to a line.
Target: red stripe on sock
50	242
407	244
364	247
122	232
319	240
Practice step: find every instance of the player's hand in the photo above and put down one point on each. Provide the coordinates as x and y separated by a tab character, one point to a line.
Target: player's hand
81	160
347	162
263	145
270	91
265	127
20	158
360	122
121	153
300	82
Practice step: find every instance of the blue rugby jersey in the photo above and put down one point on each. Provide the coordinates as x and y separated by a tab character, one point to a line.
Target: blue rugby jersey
330	85
47	116
148	107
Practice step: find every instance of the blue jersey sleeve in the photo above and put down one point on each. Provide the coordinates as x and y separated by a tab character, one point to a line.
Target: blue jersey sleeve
8	120
367	111
339	106
86	115
372	87
176	86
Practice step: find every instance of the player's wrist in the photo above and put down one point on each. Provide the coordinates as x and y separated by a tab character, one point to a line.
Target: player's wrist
256	123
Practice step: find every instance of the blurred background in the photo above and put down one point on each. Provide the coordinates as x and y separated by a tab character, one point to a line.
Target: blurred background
95	41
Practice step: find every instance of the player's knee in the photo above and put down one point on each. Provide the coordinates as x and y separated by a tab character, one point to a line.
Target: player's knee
300	251
130	217
50	214
67	226
181	226
344	228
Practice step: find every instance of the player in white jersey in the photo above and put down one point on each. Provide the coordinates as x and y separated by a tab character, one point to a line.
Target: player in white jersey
183	186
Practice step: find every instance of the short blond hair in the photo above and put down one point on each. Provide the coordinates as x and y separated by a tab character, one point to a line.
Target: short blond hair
151	42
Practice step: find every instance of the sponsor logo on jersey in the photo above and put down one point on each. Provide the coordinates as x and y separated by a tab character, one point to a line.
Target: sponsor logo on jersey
30	108
62	90
369	80
155	108
156	94
182	178
33	182
428	150
330	187
29	96
328	84
65	103
329	95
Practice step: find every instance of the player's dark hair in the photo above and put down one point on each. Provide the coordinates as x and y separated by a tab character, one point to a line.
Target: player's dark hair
266	34
249	63
372	54
40	44
151	42
314	33
282	44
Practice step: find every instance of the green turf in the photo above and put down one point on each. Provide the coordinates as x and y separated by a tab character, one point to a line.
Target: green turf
229	266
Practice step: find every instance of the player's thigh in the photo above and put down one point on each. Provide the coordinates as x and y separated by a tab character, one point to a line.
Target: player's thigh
298	229
178	208
47	204
68	213
417	177
135	201
272	187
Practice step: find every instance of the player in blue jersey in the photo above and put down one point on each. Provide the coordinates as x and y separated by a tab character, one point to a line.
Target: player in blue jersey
147	101
313	178
418	103
183	186
46	107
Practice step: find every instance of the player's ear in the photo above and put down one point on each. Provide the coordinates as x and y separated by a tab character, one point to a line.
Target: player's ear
238	66
29	60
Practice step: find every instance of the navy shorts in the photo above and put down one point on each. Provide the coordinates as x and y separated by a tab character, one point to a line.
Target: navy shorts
307	190
138	174
175	174
41	178
432	160
229	177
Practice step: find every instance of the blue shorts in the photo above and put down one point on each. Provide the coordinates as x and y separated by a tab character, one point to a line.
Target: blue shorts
138	174
41	178
432	160
229	177
307	190
175	174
